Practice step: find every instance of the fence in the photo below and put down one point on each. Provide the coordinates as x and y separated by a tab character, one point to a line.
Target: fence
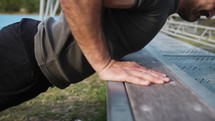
48	8
190	31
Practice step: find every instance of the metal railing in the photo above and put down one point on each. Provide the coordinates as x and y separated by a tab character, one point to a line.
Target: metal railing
48	8
190	31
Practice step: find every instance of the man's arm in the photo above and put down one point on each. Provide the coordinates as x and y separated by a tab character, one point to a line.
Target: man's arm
84	18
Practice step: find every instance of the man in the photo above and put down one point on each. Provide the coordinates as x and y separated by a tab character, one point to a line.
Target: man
93	37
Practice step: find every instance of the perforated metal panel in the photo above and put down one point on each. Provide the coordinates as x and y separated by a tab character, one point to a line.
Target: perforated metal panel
196	62
169	46
201	68
185	94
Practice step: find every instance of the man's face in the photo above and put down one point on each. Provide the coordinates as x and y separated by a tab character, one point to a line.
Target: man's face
191	10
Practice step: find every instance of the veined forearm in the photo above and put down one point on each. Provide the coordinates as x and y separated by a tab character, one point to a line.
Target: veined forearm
84	20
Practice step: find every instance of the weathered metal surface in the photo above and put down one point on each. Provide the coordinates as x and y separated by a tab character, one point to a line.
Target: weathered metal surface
118	104
170	46
196	62
201	68
189	96
168	102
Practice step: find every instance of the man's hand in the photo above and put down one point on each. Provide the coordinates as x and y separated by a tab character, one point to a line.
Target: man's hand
131	72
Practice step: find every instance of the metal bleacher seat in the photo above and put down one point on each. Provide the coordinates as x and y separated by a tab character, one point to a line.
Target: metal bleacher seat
190	96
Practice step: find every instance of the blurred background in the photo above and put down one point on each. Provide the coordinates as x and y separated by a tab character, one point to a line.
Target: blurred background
85	101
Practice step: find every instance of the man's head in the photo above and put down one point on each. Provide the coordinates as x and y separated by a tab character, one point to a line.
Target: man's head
191	10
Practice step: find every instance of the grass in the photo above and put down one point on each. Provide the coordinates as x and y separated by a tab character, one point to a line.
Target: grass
84	101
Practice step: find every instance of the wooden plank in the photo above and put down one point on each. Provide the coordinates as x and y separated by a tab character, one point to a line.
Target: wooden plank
169	102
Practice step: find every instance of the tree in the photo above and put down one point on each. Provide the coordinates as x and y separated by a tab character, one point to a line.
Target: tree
14	6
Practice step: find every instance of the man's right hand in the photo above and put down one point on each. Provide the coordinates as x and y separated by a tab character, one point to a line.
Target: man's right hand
131	72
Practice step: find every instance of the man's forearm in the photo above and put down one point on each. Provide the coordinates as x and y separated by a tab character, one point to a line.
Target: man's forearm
84	20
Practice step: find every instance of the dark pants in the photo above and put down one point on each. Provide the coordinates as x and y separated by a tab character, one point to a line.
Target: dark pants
20	76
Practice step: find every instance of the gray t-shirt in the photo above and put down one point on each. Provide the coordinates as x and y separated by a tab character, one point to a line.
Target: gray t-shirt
125	31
